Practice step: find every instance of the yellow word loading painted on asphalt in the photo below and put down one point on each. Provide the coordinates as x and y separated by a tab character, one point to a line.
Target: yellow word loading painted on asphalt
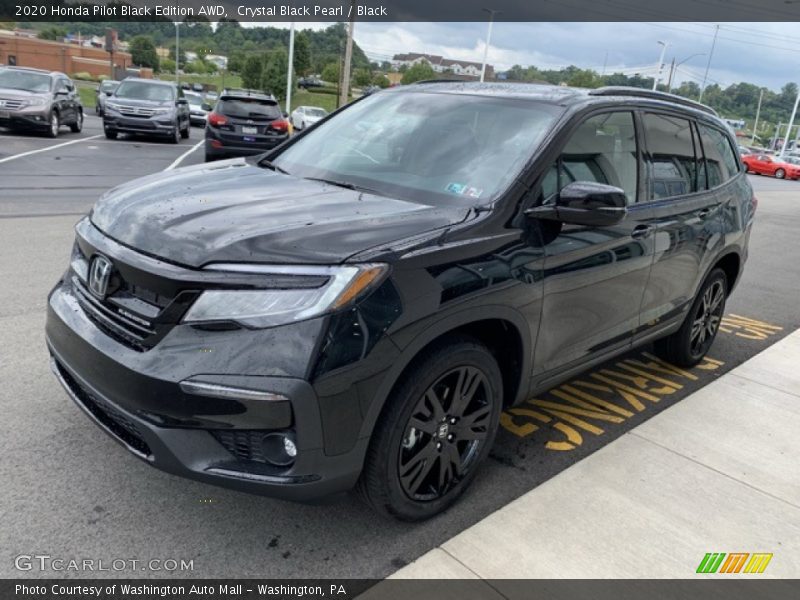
749	329
608	395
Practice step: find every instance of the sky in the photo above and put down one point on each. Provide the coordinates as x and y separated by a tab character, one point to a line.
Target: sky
766	54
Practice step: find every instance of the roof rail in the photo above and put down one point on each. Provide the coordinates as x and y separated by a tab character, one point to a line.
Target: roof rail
621	90
439	81
249	92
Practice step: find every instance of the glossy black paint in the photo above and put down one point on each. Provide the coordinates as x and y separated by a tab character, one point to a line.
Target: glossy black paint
549	298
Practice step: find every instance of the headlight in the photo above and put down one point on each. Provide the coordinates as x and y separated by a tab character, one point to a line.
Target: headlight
35	102
337	288
161	111
112	105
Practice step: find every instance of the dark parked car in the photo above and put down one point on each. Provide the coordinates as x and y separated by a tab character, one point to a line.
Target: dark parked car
309	82
104	90
357	307
144	106
38	100
244	122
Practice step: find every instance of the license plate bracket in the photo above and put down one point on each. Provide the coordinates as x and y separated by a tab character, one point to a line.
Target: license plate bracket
250	130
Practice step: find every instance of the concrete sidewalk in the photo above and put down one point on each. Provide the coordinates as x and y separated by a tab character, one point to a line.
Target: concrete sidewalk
717	472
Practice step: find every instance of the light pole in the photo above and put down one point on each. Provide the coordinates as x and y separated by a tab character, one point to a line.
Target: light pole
708	64
660	64
290	70
492	13
758	114
177	51
791	124
675	67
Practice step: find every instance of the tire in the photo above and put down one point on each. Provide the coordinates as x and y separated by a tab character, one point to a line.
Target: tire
211	157
780	174
413	473
77	126
175	138
97	110
55	124
185	133
111	134
687	346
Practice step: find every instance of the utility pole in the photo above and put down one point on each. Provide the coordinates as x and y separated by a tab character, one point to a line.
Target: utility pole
348	56
708	64
791	124
758	114
671	72
177	52
605	62
290	70
492	13
660	64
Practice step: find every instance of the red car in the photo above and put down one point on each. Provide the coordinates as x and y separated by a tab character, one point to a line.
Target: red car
764	164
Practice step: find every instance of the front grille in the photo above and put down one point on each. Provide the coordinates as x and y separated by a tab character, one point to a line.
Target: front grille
136	332
9	104
116	421
136	111
243	444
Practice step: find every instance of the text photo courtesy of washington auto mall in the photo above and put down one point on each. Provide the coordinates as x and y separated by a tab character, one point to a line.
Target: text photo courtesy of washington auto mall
448	299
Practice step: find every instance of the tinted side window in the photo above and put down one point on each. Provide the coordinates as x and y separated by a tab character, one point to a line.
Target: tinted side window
672	159
721	163
602	150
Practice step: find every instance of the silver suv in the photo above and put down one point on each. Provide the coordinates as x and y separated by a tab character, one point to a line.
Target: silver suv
145	106
38	100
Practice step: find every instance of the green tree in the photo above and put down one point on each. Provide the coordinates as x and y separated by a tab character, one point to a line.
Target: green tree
143	52
302	54
331	72
418	72
52	33
167	65
253	71
362	77
381	81
181	59
236	60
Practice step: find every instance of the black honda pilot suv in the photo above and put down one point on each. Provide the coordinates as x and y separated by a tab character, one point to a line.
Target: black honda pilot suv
356	307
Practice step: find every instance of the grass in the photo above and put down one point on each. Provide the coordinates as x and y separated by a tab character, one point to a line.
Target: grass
88	96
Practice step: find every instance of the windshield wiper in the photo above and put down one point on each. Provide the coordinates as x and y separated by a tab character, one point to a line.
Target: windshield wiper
268	164
344	184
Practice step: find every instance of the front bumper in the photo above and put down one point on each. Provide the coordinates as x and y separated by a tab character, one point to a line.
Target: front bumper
161	126
22	119
135	397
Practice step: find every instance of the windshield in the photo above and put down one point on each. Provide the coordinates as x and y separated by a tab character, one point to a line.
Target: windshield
108	86
194	99
140	90
422	146
246	108
24	80
315	112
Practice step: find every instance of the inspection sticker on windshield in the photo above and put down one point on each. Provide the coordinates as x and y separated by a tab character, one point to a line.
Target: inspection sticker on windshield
464	190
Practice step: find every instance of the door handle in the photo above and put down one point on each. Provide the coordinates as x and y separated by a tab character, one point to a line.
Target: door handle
642	231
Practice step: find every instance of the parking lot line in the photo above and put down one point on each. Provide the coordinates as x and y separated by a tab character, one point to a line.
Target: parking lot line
30	152
184	155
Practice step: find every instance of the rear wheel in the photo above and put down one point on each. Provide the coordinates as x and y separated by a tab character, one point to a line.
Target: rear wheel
687	346
438	426
77	126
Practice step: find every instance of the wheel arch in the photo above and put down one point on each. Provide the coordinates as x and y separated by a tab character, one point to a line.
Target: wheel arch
502	329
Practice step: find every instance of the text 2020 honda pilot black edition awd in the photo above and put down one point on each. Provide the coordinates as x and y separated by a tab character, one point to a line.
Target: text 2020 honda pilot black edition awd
358	306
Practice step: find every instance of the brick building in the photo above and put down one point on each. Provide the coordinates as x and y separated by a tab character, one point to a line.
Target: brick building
24	51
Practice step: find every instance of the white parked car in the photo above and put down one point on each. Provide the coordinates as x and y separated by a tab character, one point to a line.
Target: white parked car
303	116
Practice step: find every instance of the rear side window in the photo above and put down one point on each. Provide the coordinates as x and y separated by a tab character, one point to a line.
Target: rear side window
602	150
673	159
721	163
246	108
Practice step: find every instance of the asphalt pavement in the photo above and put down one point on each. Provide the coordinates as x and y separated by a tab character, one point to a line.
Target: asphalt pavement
69	491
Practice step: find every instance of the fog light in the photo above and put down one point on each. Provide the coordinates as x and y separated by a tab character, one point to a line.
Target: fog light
279	449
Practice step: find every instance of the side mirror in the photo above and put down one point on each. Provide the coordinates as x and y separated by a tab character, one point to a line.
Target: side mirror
207	107
109	93
62	93
182	101
285	114
585	203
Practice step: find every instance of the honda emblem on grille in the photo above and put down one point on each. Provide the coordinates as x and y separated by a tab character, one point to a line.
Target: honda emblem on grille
99	274
2	103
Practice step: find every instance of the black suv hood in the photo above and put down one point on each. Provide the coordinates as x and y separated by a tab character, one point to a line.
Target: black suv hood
234	211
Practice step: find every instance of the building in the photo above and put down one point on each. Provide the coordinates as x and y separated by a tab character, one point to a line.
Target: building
461	68
25	51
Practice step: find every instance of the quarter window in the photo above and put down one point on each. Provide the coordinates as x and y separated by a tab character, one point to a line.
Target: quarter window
672	159
602	150
721	163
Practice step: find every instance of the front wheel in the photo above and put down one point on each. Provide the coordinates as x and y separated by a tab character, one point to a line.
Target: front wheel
186	132
55	125
687	346
780	174
438	426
